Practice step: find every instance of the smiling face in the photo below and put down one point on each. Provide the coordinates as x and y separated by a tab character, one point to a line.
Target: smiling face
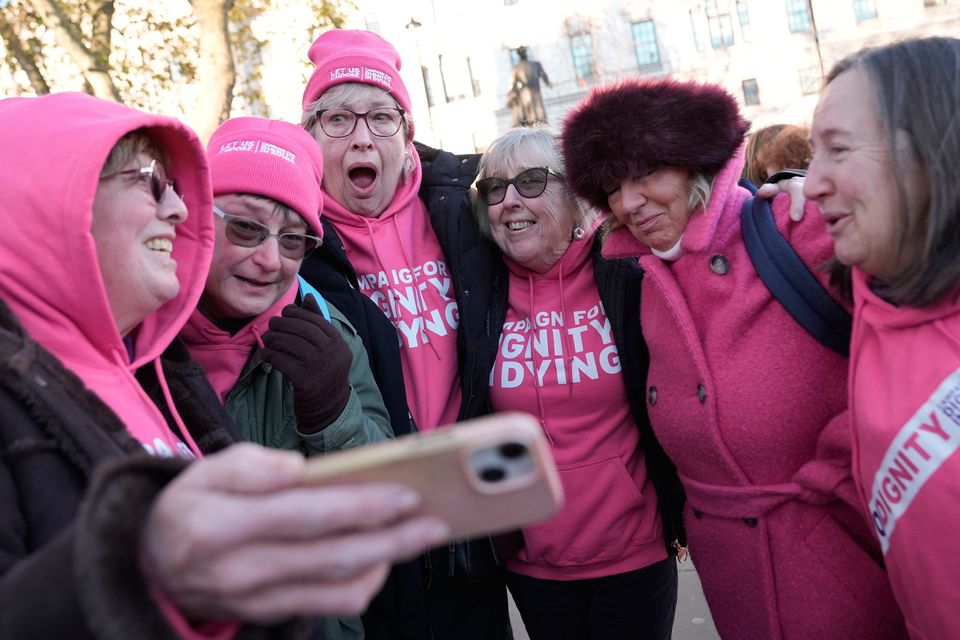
246	281
361	171
853	179
534	232
654	208
134	237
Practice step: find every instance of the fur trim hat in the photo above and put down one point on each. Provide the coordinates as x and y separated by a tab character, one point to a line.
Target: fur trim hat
632	128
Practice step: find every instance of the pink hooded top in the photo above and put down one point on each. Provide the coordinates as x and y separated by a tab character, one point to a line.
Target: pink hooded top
557	360
55	148
905	411
401	268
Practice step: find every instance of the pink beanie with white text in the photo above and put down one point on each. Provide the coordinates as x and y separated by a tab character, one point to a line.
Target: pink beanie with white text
269	158
347	55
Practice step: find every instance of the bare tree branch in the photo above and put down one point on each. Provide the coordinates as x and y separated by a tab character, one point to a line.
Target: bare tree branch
95	70
24	56
216	66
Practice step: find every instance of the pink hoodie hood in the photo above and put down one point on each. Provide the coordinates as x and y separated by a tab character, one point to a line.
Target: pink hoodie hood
56	146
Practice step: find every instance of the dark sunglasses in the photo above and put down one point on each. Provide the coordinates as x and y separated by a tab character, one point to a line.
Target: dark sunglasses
246	232
530	183
157	176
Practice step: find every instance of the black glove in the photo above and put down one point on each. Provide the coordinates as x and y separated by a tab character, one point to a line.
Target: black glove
313	356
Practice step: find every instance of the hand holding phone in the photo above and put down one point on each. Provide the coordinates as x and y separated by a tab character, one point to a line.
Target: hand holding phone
483	476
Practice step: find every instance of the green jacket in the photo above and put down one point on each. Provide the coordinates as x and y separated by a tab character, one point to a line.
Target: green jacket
261	403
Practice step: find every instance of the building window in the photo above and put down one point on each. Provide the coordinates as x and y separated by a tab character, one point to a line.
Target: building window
693	30
743	16
431	100
798	16
864	9
719	24
751	92
810	80
456	77
645	43
474	82
581	48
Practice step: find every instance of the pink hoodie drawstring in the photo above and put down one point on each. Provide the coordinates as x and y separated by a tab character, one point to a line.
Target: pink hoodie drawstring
537	383
168	398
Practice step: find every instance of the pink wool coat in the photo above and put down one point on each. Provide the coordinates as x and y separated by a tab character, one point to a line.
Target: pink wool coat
752	410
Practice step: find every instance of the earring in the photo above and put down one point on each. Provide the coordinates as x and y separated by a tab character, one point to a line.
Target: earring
579	233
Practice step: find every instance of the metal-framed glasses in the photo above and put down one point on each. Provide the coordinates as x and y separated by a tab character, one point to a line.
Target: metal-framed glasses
529	183
156	176
339	123
246	232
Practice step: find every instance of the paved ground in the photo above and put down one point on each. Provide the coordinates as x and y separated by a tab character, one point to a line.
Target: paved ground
692	622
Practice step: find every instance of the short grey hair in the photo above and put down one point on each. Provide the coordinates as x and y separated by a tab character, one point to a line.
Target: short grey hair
539	143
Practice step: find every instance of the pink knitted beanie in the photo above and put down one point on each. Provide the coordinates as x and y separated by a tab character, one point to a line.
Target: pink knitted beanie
269	158
346	55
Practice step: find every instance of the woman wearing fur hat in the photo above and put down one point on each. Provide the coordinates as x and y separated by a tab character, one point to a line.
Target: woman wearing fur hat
400	258
108	235
747	404
562	343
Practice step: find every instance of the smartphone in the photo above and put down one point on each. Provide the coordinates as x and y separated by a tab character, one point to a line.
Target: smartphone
482	476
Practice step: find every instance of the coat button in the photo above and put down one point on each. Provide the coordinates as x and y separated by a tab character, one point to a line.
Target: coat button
697	514
701	394
750	522
652	396
719	264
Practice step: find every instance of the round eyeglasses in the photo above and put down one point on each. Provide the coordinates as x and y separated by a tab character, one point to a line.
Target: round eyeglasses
530	183
339	123
246	232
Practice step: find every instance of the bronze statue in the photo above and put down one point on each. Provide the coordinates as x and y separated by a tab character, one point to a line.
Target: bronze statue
524	95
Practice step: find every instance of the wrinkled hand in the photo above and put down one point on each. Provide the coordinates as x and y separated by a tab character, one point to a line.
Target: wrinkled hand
313	356
793	187
236	537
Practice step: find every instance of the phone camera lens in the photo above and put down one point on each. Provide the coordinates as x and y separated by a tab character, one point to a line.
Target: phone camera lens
492	474
512	450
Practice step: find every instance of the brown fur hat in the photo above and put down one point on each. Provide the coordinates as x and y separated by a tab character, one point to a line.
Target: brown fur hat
630	129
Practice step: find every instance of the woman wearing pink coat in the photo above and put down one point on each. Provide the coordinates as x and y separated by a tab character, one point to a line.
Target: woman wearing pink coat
749	406
886	139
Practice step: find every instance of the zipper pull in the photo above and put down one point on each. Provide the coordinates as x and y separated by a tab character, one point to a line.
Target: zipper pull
681	551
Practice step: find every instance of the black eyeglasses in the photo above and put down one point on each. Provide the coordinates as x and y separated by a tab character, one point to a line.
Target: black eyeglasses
339	123
246	232
157	175
530	183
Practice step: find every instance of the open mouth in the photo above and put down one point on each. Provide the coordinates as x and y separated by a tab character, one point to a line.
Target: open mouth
160	245
520	225
362	177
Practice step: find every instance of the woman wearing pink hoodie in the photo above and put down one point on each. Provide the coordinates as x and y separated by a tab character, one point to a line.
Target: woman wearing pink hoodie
403	260
748	405
886	141
106	247
563	344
